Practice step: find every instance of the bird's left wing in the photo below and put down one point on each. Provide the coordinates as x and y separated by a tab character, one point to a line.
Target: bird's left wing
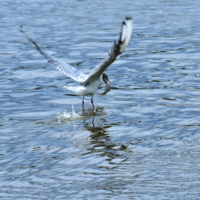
63	67
117	48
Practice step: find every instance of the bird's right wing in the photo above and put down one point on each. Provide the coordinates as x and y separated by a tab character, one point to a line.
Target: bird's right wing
63	67
117	48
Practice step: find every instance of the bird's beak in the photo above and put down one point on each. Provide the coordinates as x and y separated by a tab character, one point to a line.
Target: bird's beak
107	83
107	89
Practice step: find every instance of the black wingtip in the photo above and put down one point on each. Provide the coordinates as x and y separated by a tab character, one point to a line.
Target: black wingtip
21	28
128	18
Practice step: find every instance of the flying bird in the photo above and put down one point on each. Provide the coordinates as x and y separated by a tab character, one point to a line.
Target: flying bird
91	82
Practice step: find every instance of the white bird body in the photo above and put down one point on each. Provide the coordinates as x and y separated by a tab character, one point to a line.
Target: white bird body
90	83
88	90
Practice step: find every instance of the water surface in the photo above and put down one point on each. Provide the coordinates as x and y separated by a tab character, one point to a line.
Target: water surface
142	143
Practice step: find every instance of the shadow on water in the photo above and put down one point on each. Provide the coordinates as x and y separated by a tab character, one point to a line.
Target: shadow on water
100	139
95	131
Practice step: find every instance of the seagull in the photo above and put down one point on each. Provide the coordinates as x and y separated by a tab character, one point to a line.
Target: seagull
91	82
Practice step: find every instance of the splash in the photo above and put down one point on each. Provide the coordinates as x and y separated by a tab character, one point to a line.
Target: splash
72	116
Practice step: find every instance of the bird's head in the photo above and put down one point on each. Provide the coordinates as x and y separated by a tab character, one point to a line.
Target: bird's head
105	78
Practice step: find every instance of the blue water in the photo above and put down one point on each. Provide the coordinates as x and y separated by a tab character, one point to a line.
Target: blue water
144	140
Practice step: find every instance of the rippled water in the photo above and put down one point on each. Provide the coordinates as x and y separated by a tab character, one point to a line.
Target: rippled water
144	141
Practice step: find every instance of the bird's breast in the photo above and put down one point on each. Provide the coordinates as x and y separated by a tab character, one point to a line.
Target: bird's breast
93	86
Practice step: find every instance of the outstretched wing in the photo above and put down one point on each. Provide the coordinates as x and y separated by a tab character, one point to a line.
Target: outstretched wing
63	67
117	48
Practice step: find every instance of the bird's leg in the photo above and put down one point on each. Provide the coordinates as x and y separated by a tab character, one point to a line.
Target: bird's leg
83	105
93	104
